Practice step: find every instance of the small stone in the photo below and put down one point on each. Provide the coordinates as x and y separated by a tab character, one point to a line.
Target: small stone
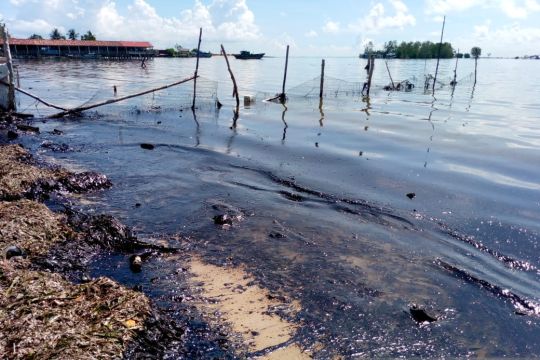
28	128
14	251
147	146
135	263
57	132
411	195
138	205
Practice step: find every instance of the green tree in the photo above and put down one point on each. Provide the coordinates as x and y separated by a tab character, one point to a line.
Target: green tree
72	34
467	56
476	52
57	35
88	36
35	37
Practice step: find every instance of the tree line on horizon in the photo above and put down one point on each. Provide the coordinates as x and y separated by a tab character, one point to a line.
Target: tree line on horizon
71	35
412	50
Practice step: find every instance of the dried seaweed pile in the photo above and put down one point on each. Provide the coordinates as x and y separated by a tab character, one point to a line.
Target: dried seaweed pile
44	316
31	226
17	174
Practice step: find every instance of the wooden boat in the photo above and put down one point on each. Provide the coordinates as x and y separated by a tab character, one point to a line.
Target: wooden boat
246	55
202	54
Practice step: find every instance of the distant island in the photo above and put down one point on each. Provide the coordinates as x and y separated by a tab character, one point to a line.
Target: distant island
412	50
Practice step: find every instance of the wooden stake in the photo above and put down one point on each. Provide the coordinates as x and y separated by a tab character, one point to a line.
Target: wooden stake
392	81
282	97
235	88
7	54
454	82
112	101
322	80
438	56
196	71
371	67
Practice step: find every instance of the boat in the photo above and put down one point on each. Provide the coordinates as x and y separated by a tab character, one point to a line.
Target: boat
246	55
202	54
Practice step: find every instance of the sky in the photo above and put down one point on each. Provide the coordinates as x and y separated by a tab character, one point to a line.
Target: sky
310	27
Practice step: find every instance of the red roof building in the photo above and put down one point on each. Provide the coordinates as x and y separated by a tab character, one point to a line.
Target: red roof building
32	48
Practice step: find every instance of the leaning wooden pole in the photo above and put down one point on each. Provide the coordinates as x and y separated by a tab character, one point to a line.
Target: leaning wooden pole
438	55
112	101
196	70
235	88
321	90
282	96
11	78
390	75
34	97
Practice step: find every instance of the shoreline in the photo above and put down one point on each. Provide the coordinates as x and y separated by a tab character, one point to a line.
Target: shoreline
45	249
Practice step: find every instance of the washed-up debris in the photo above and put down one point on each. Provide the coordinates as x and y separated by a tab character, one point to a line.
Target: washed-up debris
85	181
44	316
404	85
28	128
147	146
49	145
420	315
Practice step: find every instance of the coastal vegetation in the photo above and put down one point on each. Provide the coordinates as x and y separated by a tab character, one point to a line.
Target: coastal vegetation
72	34
411	50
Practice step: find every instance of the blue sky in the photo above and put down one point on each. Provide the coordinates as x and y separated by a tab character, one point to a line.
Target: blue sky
312	28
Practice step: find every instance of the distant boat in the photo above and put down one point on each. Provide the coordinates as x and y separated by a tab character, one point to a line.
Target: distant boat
202	54
246	55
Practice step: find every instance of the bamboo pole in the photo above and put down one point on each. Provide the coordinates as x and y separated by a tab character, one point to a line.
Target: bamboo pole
34	97
390	75
454	82
196	70
235	88
7	54
438	55
321	92
282	96
112	101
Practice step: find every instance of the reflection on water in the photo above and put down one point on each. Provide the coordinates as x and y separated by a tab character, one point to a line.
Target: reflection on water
331	224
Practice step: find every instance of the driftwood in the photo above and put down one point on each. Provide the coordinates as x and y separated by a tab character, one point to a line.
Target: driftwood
235	88
196	70
112	101
35	97
438	56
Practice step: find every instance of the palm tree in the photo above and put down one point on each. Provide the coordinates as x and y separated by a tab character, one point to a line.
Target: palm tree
72	34
476	52
88	36
57	35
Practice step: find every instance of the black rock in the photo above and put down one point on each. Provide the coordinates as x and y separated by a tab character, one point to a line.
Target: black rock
138	205
277	235
14	251
147	146
55	147
411	195
12	135
57	132
420	315
223	219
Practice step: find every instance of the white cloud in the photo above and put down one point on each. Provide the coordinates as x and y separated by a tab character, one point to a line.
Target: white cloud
515	9
378	19
222	20
311	34
331	27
